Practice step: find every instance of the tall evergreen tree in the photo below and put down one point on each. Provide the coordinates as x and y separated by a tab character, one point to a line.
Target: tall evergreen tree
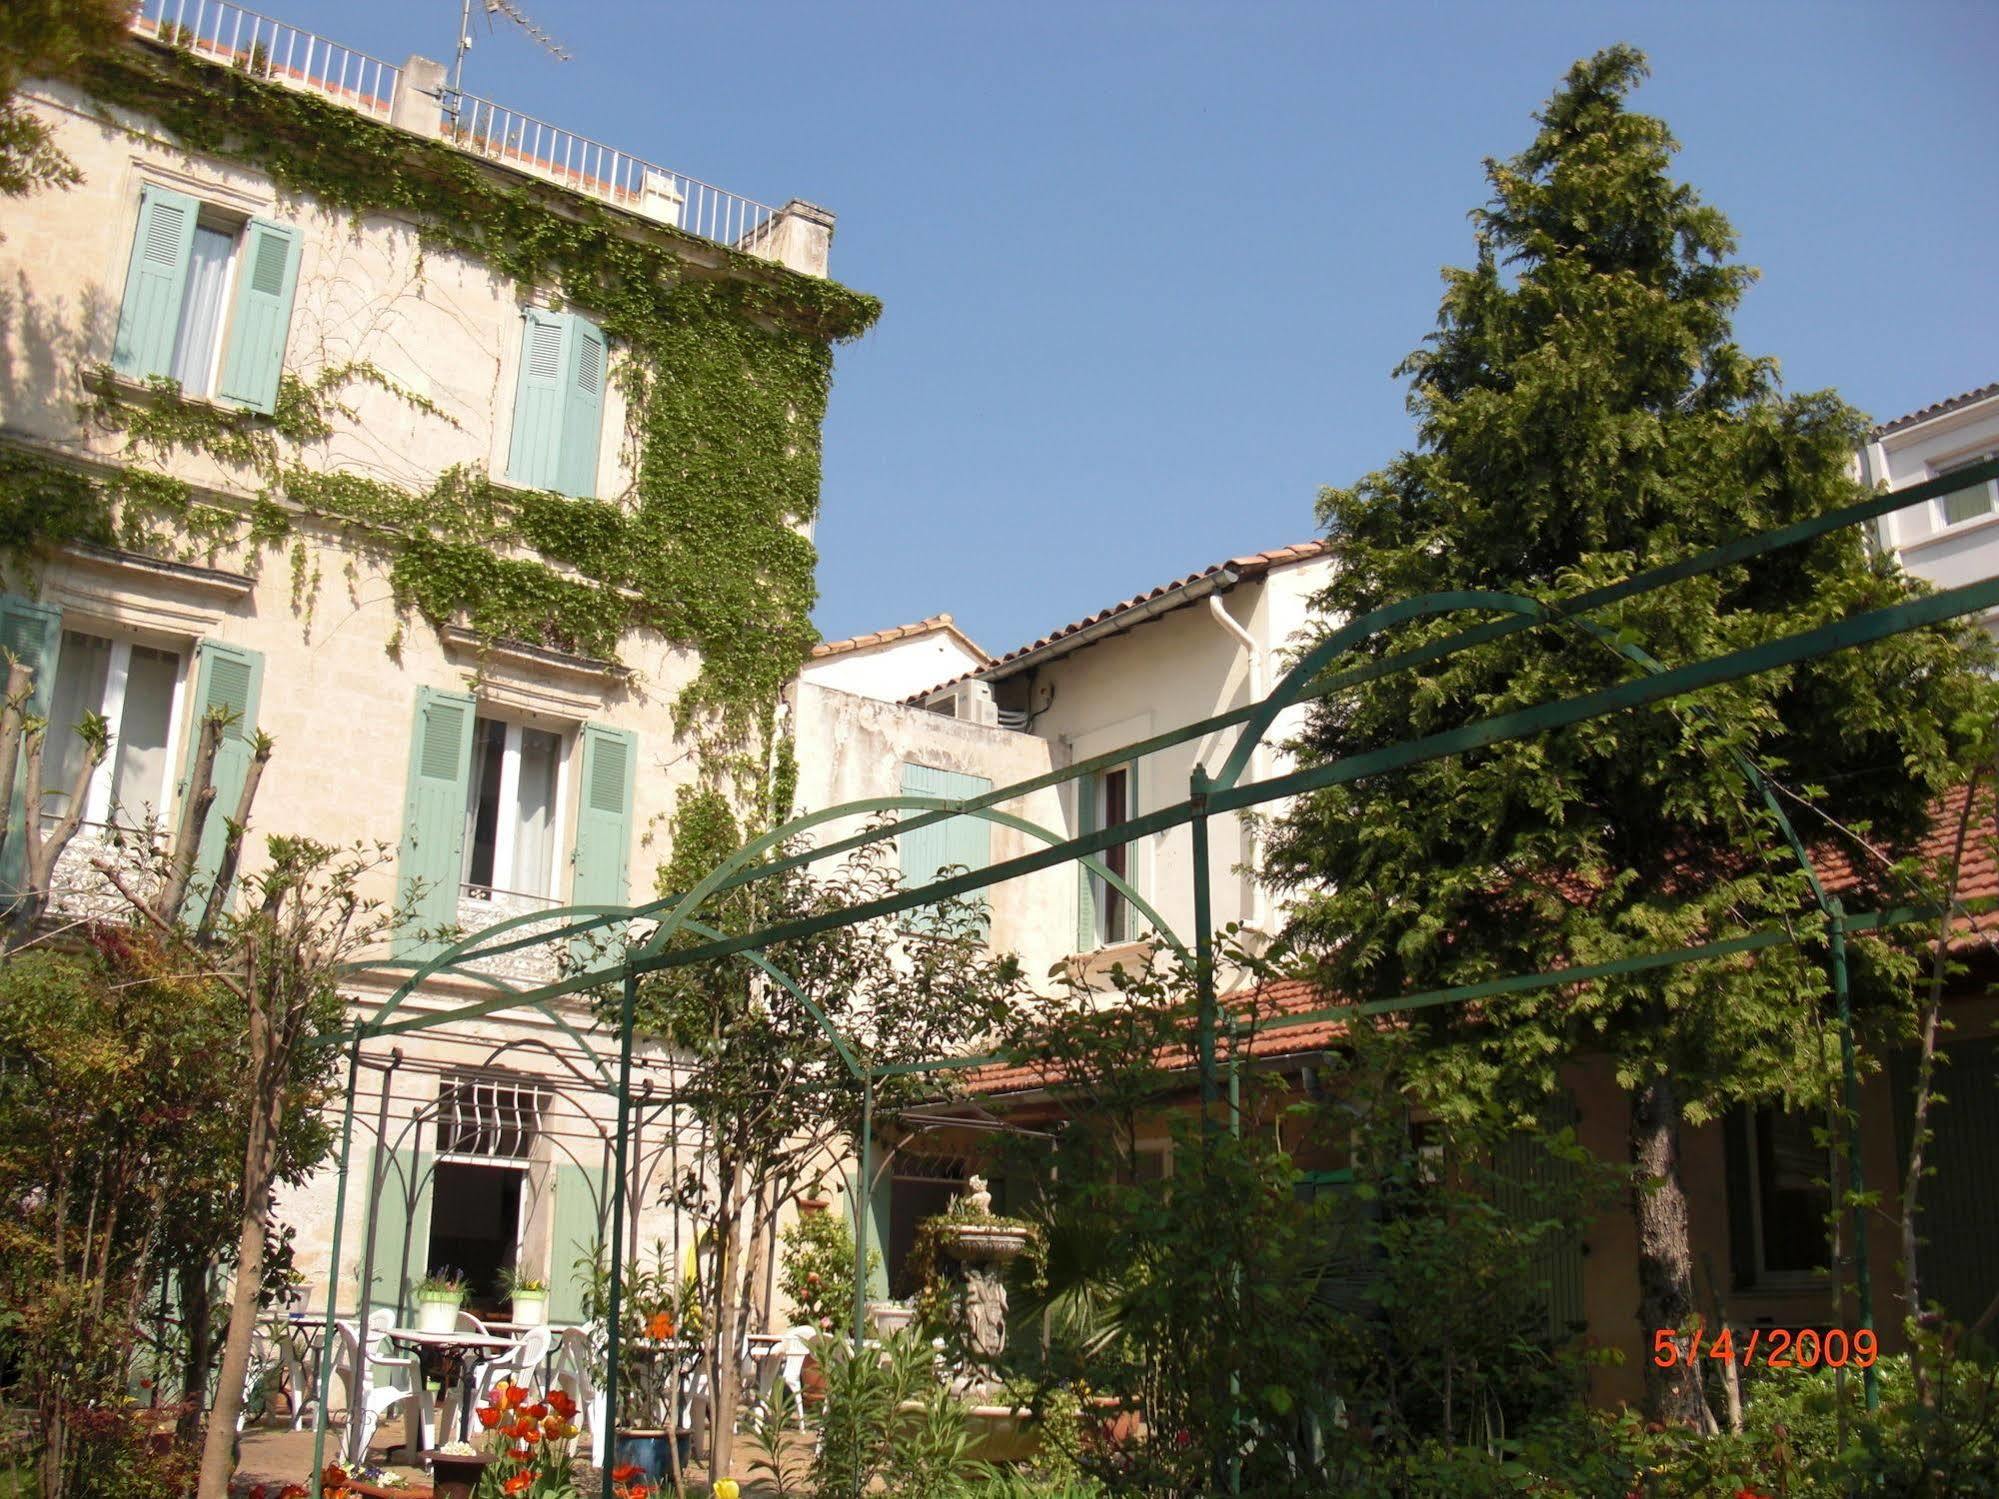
1584	412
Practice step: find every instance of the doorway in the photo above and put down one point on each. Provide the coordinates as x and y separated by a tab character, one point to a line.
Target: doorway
475	1229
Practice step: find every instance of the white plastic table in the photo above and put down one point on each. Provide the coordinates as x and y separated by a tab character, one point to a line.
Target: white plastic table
460	1353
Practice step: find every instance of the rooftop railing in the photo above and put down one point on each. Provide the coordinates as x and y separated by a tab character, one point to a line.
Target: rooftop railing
270	49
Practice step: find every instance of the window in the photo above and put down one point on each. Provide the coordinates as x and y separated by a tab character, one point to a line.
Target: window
558	403
1777	1194
1152	1162
136	688
495	1117
1110	799
208	299
1971	502
510	810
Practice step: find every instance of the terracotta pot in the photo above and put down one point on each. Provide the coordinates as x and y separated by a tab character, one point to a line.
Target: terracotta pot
456	1475
809	1205
812	1382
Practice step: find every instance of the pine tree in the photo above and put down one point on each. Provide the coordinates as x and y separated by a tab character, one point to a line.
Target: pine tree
1583	412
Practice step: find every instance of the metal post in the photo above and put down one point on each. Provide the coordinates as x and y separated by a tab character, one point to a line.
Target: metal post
615	1314
1204	946
1856	1180
328	1331
375	1183
864	1175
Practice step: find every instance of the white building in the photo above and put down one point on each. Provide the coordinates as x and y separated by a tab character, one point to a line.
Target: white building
1954	539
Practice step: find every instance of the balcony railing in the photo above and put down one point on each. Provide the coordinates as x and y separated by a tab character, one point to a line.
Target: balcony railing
586	166
270	49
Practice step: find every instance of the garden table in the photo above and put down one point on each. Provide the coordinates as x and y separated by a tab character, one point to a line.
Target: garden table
459	1355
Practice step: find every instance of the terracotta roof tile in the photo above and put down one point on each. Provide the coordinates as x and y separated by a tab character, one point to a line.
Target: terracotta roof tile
1253	565
929	626
1937	408
1978	879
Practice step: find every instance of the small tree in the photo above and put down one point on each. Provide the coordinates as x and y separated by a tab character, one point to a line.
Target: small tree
767	1086
1583	412
23	750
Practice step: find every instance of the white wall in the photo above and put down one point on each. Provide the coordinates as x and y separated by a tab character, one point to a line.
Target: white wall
1947	556
896	669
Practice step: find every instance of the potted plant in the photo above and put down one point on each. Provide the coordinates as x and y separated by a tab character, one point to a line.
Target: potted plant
438	1299
817	1276
528	1298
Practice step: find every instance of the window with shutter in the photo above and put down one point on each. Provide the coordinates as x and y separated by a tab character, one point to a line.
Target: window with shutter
558	403
957	841
1104	916
262	317
429	861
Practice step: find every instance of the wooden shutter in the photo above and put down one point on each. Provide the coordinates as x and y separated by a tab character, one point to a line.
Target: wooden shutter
155	283
587	367
1137	858
1086	895
431	860
956	840
229	679
604	816
575	1238
535	449
266	282
401	1203
32	633
1958	1214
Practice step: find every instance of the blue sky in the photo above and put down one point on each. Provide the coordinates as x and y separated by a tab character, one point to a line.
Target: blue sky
1147	266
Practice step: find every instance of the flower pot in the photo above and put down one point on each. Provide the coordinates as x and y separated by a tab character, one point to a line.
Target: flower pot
810	1205
648	1450
456	1475
530	1308
812	1382
437	1315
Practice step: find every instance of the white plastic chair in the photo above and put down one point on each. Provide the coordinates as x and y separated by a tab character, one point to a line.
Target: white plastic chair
575	1358
521	1364
469	1323
782	1358
368	1400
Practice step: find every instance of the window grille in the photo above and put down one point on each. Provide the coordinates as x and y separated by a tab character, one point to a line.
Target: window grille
493	1118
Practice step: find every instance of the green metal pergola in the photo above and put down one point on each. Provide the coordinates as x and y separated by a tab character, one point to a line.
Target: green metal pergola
1314	676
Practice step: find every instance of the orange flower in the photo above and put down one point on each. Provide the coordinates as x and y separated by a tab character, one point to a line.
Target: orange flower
536	1411
490	1416
512	1395
292	1491
555	1428
524	1430
521	1454
333	1480
561	1404
659	1325
627	1473
519	1481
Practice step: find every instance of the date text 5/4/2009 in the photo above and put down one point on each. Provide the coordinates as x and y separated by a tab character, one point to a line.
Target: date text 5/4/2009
1777	1347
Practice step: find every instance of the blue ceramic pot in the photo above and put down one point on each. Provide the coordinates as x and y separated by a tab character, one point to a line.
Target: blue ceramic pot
648	1450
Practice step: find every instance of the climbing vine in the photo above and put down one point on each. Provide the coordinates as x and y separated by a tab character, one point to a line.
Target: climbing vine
725	360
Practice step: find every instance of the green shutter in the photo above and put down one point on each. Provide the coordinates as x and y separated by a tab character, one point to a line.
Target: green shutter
587	366
534	450
604	816
1086	898
1958	1213
402	1229
33	634
266	281
155	282
430	862
963	841
231	679
1137	858
576	1233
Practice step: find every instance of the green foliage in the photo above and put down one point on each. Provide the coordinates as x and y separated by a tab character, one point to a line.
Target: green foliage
724	357
1583	412
39	37
889	1420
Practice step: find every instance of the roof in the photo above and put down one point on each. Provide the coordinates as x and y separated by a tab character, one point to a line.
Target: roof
1937	408
1978	879
1224	574
931	626
1267	1001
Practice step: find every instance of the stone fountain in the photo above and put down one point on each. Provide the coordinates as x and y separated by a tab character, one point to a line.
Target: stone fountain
983	1246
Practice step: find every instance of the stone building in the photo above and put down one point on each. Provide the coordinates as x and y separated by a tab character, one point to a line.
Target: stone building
335	399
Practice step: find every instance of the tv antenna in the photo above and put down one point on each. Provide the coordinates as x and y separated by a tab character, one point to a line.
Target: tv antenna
506	10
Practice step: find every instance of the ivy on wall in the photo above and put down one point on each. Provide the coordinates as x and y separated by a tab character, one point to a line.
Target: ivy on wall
725	360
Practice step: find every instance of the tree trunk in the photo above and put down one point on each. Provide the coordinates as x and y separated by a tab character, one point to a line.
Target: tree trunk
196	1319
727	1367
1665	1252
218	1448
